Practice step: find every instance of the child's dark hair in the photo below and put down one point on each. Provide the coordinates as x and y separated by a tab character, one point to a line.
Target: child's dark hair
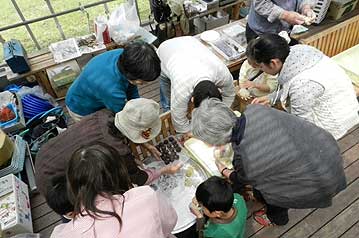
215	194
203	90
267	47
96	169
139	60
112	129
56	196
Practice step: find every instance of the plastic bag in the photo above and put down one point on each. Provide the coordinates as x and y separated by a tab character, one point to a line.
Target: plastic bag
124	22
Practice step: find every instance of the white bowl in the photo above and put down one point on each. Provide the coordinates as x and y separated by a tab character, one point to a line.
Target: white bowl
210	36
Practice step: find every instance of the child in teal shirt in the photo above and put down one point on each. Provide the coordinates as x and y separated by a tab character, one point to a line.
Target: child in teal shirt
226	211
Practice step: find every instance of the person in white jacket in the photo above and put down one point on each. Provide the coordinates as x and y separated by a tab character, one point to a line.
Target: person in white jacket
184	63
313	86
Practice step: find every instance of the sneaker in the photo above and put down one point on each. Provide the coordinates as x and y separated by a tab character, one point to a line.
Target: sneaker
261	218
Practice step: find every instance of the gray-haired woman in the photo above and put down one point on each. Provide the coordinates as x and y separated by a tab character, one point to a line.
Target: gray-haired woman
290	162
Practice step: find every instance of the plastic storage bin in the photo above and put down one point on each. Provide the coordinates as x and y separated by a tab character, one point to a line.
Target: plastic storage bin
211	21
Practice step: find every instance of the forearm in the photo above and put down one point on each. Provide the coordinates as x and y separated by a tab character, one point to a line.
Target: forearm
153	174
268	9
262	87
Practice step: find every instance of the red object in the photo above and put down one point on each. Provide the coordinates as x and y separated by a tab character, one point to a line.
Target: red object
6	114
105	35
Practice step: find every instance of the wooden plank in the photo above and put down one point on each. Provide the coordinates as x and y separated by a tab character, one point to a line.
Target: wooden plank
340	223
40	211
253	229
37	200
349	140
321	217
351	155
45	221
353	232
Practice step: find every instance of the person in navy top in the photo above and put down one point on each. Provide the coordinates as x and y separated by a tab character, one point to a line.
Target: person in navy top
110	79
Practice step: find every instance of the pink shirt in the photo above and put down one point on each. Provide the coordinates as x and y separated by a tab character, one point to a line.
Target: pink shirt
146	213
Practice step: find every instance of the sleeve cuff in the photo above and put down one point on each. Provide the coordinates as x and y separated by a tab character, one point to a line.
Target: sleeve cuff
153	174
275	14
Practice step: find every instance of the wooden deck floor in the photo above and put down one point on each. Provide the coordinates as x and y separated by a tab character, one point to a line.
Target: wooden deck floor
340	220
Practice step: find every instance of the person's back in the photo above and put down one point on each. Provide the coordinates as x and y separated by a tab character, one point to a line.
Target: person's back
185	62
233	229
109	80
98	82
303	161
53	156
143	211
270	22
335	107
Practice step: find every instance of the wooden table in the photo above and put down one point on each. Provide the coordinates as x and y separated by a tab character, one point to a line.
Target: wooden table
38	65
233	65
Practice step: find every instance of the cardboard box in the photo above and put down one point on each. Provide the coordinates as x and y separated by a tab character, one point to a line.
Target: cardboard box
6	148
62	75
15	210
211	21
339	8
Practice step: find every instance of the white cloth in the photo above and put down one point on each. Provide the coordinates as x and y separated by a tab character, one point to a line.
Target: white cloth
186	62
334	108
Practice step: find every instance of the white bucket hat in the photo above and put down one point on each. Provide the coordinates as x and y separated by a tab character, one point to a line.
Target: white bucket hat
139	120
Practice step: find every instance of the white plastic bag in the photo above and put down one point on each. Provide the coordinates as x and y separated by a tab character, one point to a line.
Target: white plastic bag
124	22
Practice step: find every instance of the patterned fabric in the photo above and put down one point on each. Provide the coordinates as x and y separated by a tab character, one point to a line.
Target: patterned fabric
247	72
100	85
293	163
186	62
318	90
144	213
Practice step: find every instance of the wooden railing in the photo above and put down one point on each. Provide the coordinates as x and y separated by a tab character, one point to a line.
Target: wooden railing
336	39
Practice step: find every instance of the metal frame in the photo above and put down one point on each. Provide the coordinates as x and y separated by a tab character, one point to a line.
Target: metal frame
54	15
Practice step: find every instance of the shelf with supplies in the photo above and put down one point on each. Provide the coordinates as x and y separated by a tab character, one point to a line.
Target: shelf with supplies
217	5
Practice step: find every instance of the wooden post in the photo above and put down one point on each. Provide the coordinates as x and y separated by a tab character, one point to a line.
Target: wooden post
235	11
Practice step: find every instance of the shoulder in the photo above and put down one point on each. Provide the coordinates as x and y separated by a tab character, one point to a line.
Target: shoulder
140	192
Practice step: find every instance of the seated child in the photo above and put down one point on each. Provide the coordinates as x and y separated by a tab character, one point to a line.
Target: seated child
227	211
57	198
254	82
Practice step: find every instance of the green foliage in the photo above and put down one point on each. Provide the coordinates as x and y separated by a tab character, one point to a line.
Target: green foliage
73	24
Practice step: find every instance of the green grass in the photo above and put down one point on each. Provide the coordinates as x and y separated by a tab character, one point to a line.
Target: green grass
73	24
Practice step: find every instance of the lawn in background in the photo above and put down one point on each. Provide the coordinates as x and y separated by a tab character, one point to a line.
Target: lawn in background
73	24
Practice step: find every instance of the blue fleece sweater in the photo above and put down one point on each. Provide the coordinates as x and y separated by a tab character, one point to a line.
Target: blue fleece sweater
100	85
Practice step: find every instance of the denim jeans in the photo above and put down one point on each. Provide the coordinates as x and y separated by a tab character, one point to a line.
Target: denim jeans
165	92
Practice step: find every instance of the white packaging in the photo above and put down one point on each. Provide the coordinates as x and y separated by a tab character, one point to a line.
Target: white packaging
15	210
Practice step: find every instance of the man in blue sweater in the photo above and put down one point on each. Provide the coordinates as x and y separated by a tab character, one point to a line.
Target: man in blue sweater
110	79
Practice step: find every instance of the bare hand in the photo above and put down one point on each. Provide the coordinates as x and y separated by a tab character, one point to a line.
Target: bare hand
153	150
293	18
309	15
172	168
247	84
220	166
185	137
261	100
195	208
